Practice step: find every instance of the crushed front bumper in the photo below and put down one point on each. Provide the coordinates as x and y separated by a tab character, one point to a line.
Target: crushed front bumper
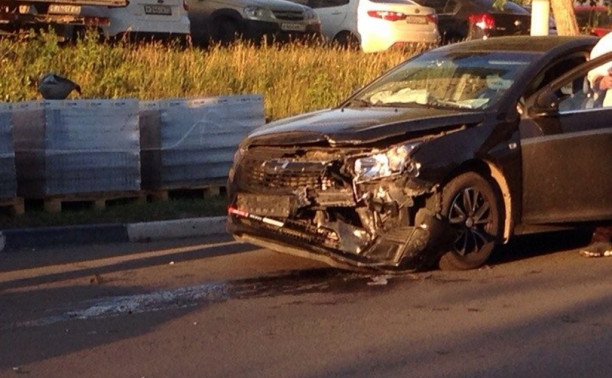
403	248
309	203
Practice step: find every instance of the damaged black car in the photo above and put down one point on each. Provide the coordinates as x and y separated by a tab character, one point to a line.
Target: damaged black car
439	160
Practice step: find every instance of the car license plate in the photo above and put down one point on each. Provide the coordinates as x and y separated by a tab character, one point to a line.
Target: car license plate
64	9
293	27
416	20
164	10
265	205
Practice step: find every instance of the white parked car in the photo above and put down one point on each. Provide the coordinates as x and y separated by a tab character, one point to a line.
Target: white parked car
376	25
144	18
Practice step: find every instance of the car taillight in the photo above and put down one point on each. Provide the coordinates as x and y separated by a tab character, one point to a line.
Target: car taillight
433	18
482	20
185	5
387	15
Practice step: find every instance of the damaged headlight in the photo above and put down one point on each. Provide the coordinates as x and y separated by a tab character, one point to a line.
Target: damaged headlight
238	155
385	163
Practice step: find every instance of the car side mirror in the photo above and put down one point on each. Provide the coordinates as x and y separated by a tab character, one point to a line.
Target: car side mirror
546	103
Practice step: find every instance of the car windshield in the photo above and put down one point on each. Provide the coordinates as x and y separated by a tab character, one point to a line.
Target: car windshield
448	79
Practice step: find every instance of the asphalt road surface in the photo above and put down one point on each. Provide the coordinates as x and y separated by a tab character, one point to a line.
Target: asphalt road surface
214	308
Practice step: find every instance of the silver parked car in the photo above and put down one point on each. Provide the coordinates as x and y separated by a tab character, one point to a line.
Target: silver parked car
223	21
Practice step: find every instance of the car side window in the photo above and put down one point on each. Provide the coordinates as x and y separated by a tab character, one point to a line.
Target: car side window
576	95
514	8
449	7
552	72
441	6
326	3
590	90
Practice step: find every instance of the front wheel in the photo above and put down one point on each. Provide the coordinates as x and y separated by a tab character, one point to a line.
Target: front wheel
226	31
470	204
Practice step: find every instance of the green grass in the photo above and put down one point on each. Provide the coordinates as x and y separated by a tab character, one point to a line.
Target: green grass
293	78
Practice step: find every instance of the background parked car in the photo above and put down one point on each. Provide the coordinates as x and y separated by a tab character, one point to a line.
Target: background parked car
144	18
375	25
475	19
593	20
223	21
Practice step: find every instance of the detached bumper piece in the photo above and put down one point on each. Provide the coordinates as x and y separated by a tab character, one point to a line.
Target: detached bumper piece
415	247
402	248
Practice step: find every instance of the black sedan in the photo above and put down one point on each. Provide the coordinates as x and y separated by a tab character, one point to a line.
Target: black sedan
450	153
475	19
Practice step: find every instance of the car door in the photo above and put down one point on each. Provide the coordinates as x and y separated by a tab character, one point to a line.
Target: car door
452	17
333	14
566	149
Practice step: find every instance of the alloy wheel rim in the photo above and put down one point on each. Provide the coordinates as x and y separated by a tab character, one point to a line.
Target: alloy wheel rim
471	212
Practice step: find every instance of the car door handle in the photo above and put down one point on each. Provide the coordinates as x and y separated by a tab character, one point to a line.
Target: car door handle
336	13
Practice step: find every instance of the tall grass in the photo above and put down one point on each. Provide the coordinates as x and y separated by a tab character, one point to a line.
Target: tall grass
293	78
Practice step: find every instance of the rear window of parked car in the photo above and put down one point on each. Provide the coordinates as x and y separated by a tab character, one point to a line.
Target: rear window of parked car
451	6
324	3
394	2
592	17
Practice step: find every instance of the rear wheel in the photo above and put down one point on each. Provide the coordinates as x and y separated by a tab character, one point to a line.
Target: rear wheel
347	40
470	204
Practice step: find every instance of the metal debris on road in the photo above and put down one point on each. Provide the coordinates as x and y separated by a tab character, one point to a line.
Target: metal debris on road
379	280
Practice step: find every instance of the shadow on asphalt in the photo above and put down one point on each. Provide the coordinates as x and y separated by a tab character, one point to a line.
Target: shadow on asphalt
319	279
527	246
106	330
28	336
134	263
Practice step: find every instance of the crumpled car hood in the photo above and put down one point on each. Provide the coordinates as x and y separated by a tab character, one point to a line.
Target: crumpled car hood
353	126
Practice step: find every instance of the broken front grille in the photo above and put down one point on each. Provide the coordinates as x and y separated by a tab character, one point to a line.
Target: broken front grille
282	173
288	15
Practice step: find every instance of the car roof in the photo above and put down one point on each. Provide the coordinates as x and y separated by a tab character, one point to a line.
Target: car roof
534	44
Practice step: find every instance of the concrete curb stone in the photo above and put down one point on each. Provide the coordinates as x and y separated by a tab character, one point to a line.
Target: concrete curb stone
32	238
174	229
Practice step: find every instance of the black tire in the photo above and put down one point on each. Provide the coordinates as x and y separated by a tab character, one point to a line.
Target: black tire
471	204
347	40
226	31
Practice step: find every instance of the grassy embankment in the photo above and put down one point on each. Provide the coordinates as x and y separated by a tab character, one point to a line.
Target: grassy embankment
293	79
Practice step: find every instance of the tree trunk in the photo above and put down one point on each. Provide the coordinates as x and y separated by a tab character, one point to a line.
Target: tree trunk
565	18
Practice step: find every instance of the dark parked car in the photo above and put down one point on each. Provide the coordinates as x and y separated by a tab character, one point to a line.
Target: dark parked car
475	19
593	20
450	153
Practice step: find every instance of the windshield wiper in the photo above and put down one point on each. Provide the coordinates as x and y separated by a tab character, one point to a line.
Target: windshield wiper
449	104
402	104
358	103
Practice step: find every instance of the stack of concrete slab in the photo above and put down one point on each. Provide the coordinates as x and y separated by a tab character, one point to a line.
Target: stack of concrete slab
8	183
190	143
76	147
